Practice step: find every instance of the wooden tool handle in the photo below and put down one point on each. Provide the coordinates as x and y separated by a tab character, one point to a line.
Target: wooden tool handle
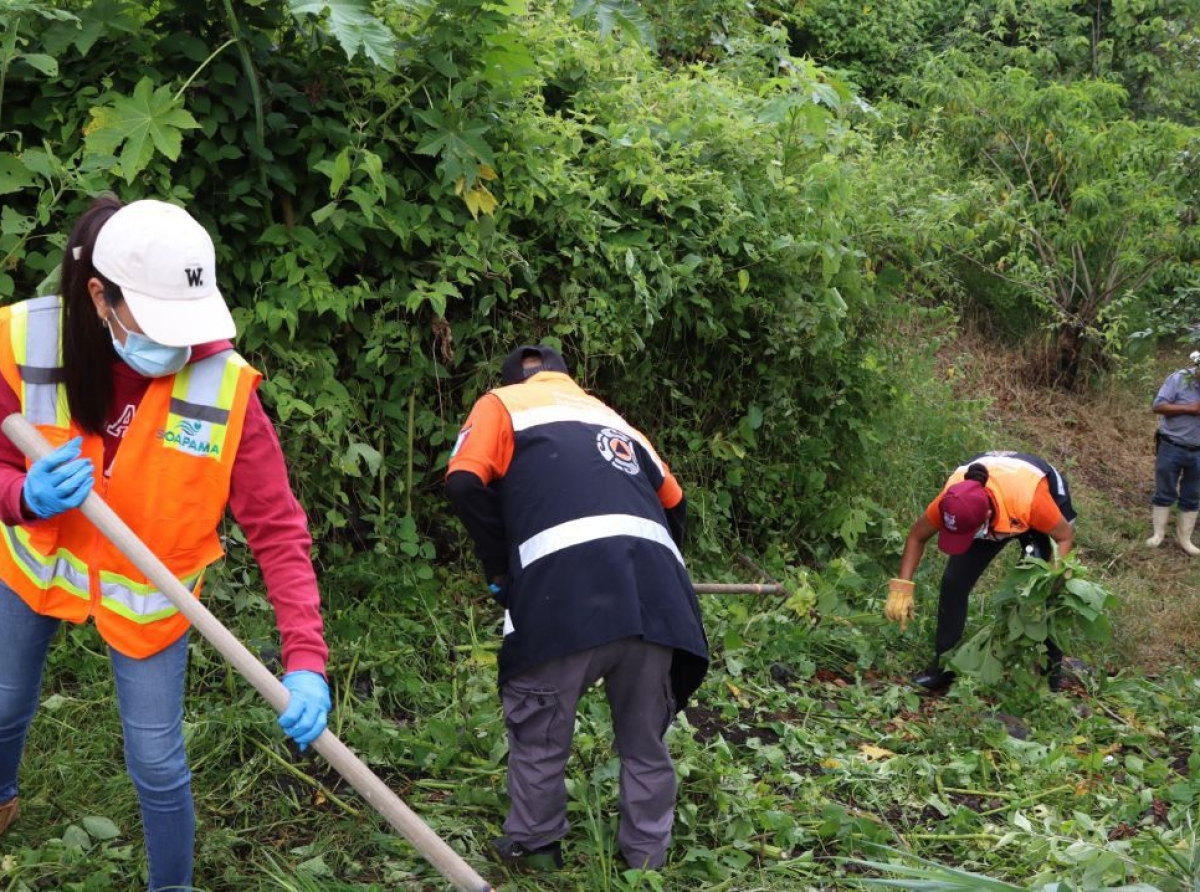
736	588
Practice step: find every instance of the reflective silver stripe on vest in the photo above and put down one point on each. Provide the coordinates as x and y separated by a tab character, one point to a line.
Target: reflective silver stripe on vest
50	572
1059	486
139	607
42	370
591	529
201	397
598	416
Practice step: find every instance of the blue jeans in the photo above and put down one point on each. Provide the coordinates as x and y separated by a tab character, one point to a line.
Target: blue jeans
1176	472
150	697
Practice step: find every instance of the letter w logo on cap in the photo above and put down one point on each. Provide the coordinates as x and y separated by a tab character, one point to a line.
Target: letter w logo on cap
194	275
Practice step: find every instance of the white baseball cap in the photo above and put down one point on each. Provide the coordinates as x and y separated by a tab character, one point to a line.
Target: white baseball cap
166	266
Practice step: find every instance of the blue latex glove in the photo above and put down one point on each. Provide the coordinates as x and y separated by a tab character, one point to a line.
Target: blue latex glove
307	710
59	481
498	589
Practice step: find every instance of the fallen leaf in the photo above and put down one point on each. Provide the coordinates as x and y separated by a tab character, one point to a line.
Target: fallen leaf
874	753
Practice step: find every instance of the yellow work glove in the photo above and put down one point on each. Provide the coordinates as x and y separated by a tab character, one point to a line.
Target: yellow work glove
899	607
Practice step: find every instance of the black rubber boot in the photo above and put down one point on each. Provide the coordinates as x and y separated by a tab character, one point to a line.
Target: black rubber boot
508	851
933	678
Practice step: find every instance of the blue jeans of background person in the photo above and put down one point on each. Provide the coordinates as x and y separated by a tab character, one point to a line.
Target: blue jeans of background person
150	697
1176	472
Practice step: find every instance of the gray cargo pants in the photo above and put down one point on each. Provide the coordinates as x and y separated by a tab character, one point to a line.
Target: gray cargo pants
539	710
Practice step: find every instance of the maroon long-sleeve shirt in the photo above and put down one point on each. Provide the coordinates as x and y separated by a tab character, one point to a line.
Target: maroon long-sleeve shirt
260	498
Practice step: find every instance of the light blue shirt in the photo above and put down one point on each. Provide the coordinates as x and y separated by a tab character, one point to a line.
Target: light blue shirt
1180	387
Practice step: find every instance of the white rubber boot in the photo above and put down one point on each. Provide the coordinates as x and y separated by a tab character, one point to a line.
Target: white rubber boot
1183	531
1160	516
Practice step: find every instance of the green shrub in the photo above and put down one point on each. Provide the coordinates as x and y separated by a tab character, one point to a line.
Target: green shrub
391	223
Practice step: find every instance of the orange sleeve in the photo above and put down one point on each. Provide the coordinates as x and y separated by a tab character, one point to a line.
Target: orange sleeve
1044	514
934	511
670	493
485	444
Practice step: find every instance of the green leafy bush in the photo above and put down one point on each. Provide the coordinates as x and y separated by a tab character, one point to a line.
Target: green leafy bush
1066	202
1035	602
393	215
875	43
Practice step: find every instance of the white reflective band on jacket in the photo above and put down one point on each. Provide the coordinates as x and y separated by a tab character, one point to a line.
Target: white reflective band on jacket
591	529
139	603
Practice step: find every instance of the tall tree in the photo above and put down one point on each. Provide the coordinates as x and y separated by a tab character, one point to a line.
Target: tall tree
1070	201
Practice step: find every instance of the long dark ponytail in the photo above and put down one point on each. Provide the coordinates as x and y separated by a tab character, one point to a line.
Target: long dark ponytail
87	343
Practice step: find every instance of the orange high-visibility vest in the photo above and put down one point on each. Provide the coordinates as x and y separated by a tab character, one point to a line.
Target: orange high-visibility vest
169	482
1011	483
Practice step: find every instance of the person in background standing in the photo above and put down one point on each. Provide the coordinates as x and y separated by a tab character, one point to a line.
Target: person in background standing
1177	456
578	525
130	374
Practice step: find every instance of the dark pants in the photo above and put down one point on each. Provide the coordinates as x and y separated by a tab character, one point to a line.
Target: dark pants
1176	473
962	572
539	709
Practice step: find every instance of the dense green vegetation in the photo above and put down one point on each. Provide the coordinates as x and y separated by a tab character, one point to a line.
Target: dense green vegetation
758	230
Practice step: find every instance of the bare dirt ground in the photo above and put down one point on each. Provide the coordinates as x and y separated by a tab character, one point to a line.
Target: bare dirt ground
1102	440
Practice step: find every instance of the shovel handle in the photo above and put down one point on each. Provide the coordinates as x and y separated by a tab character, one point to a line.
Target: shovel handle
431	846
737	588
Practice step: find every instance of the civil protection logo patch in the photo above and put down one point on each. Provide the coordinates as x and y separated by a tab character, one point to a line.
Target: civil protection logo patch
617	449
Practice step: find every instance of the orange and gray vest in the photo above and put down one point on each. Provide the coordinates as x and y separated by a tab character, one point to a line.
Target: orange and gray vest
169	482
1012	479
591	558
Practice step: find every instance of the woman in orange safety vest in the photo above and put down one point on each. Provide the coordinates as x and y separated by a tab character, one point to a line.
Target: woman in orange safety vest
131	375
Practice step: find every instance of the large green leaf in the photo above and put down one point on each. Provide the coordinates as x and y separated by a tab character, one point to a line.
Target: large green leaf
930	875
1090	593
43	63
14	175
138	125
625	16
353	27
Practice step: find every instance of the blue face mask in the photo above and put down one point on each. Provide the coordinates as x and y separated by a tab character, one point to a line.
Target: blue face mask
146	357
